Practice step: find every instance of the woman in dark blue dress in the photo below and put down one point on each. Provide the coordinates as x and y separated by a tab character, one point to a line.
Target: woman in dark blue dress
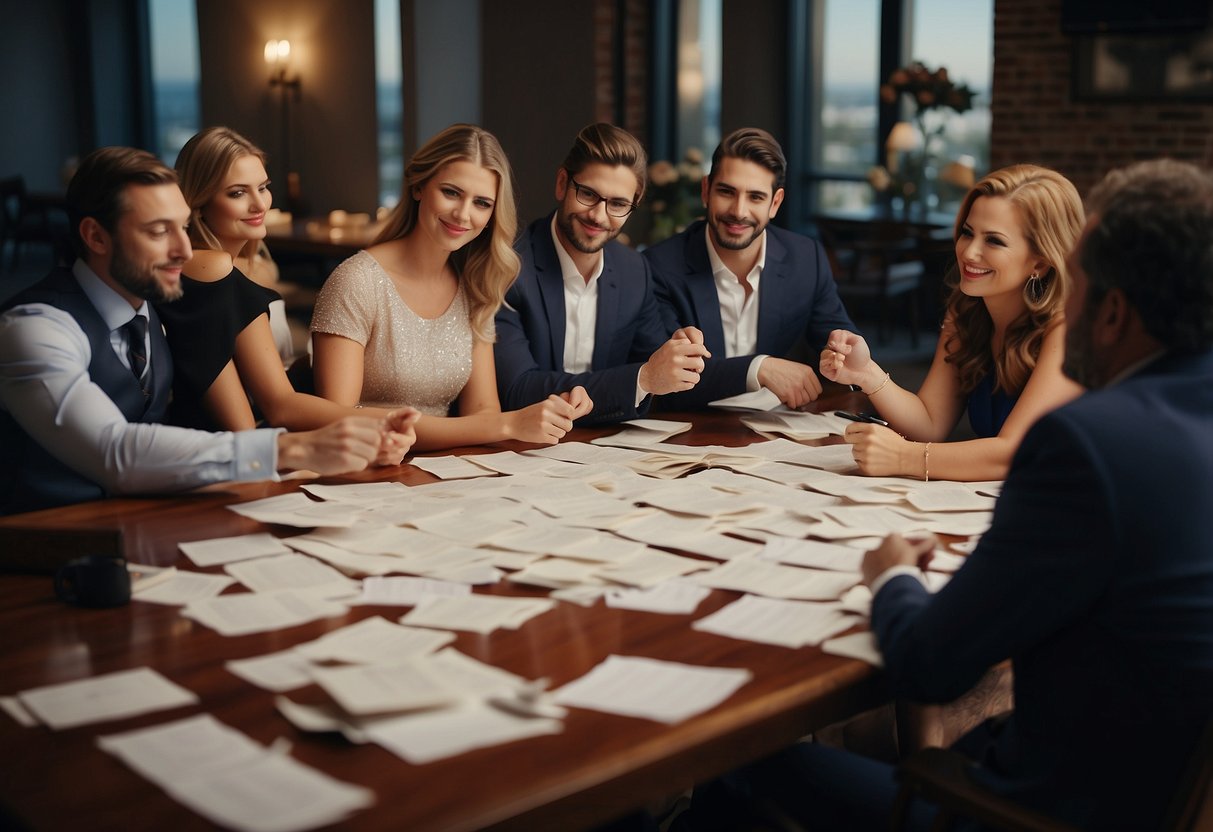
1001	346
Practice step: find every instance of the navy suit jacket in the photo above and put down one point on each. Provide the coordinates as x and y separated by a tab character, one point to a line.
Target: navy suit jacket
796	295
1096	580
529	351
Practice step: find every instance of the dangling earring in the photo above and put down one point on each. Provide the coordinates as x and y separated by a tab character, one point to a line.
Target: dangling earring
1034	289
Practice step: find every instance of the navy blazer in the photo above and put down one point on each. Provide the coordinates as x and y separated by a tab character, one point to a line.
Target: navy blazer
796	294
1096	580
529	351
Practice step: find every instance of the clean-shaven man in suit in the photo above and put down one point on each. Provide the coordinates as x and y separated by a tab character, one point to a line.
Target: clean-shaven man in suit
85	371
751	288
1096	577
582	311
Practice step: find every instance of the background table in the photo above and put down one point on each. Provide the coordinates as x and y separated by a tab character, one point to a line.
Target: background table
601	765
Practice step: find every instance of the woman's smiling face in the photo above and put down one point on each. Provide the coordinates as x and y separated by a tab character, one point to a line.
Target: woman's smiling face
992	252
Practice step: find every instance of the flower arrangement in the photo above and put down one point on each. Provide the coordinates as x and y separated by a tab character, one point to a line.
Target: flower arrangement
928	89
674	194
933	93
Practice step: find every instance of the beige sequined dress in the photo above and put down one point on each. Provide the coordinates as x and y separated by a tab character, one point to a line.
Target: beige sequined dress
423	362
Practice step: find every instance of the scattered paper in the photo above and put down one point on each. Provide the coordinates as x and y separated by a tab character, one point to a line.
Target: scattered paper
776	621
182	587
434	735
477	613
232	781
662	691
289	571
259	612
278	672
860	646
405	592
374	640
670	597
760	399
117	695
450	467
231	549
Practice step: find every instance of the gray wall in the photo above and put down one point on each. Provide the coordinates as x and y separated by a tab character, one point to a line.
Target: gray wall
333	125
446	69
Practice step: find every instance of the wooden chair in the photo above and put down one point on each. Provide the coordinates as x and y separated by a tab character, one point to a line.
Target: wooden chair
881	265
945	778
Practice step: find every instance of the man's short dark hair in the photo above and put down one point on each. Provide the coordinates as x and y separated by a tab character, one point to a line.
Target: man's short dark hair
607	144
1152	237
99	186
753	145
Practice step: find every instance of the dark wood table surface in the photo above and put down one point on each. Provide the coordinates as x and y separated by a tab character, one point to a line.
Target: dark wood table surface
601	765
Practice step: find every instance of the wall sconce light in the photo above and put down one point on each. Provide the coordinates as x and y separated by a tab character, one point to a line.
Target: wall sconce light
277	56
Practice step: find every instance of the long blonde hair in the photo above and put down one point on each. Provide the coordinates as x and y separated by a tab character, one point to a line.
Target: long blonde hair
202	165
1050	213
488	264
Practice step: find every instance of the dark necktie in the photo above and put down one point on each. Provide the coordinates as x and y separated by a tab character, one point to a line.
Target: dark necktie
136	338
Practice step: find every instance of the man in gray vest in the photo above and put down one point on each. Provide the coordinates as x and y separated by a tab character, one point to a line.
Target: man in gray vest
85	371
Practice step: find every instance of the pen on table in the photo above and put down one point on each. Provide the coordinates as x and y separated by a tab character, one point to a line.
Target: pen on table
861	417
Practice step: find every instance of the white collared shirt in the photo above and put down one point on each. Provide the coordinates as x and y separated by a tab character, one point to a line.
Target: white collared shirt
580	309
739	314
45	386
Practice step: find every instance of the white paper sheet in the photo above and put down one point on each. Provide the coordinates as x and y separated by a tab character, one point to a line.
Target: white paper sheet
666	692
278	672
182	587
368	689
231	549
775	580
374	640
227	778
860	646
650	568
760	399
118	695
670	598
258	612
477	613
405	591
289	571
434	735
776	621
813	553
450	467
296	509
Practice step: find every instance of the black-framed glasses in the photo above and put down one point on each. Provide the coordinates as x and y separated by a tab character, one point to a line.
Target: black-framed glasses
615	207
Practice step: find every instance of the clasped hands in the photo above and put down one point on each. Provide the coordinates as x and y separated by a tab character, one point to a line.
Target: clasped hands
896	550
677	364
349	444
547	421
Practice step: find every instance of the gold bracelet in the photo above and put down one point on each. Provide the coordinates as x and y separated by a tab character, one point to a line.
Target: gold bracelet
880	386
926	461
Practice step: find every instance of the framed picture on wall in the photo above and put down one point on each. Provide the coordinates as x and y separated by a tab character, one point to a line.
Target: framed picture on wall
1144	67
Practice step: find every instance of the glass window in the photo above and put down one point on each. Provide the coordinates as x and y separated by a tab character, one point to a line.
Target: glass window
848	92
699	72
389	100
174	35
958	35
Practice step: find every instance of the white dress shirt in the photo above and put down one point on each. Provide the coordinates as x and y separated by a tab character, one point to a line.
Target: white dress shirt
580	309
581	312
44	384
738	313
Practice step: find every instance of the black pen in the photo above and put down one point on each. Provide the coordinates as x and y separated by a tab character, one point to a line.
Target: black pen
861	417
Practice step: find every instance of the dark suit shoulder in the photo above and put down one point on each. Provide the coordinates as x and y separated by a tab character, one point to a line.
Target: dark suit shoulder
686	251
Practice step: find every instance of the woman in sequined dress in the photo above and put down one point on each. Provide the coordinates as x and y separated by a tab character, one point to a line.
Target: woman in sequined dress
410	319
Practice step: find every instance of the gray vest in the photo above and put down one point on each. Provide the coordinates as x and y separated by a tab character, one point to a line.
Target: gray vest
30	477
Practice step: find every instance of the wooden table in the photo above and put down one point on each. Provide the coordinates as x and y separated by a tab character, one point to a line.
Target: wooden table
600	767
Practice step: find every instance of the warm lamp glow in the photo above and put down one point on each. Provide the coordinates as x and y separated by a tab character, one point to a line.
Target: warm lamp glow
903	137
277	51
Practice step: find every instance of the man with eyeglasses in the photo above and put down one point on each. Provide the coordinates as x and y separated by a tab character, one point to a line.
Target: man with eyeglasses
582	311
752	289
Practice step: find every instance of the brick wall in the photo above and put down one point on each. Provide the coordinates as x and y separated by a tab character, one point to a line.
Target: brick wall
634	48
1036	119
